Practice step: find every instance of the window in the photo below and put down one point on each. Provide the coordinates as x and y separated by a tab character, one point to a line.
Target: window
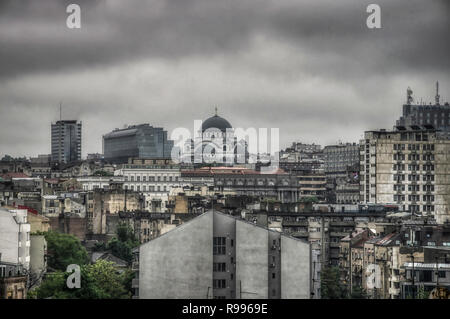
219	267
219	245
219	283
273	275
441	274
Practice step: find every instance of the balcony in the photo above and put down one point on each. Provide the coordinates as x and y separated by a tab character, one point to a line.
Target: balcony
342	223
300	234
135	283
339	234
288	223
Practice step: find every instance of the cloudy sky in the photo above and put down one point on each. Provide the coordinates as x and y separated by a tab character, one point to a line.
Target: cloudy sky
311	68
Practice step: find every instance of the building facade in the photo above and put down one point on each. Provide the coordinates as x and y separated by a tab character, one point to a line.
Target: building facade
410	168
66	141
219	256
139	141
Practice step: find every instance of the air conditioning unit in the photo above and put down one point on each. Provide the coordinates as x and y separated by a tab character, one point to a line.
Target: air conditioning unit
274	247
272	265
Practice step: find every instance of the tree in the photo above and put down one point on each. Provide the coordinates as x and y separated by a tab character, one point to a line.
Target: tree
98	281
330	284
358	293
64	250
122	245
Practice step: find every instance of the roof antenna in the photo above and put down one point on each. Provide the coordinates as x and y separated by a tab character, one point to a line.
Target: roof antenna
60	111
409	97
437	97
216	110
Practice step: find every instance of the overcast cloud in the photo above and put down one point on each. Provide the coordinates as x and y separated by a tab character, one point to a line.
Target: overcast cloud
311	68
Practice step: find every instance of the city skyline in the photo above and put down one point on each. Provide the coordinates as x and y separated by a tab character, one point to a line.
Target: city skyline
319	80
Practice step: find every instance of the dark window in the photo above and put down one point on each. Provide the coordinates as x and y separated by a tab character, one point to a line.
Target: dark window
219	267
219	247
441	274
219	283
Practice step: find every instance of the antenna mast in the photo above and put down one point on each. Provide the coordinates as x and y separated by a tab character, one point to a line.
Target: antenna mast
437	97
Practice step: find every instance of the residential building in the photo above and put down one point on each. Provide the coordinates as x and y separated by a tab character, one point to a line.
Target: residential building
410	168
66	141
219	256
15	237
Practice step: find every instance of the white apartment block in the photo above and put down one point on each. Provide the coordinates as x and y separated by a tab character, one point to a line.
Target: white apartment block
15	237
153	181
409	168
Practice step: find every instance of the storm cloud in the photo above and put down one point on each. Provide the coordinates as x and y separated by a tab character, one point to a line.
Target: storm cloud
311	68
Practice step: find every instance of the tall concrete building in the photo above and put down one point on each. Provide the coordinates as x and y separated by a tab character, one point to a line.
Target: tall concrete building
219	256
137	141
436	115
66	141
410	168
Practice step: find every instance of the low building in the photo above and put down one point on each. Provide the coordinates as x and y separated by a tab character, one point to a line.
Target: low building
15	237
13	281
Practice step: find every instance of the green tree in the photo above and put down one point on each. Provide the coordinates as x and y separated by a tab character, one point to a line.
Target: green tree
122	245
63	250
358	293
98	281
422	293
330	284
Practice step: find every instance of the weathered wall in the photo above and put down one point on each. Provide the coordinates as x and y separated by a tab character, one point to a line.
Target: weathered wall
251	261
295	269
179	263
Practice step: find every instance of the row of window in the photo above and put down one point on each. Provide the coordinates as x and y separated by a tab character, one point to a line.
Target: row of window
414	188
413	177
416	198
414	157
152	178
413	167
414	147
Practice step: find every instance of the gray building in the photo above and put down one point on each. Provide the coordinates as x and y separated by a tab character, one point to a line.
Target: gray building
222	257
137	141
341	157
436	115
66	141
409	168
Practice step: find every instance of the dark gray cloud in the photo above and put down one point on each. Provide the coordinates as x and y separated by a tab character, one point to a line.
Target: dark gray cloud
311	68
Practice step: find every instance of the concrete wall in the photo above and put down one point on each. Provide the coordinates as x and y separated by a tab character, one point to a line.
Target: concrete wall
179	263
251	261
38	250
295	269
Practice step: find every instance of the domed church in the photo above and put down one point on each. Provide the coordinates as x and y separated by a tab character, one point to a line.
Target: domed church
217	134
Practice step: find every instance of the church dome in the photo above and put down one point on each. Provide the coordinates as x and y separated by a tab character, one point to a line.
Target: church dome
216	122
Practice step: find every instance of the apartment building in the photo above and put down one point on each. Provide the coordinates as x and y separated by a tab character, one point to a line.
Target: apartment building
219	256
410	168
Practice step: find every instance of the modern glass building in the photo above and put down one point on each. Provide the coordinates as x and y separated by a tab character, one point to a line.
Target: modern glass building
66	141
137	141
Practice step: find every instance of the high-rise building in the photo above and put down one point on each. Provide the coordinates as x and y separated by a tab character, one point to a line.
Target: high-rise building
435	115
410	168
66	141
137	141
